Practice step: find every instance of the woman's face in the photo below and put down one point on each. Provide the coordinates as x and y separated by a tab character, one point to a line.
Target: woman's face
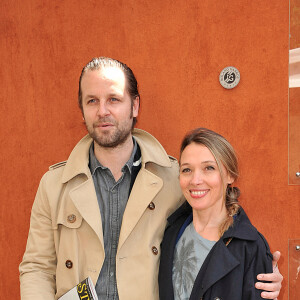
200	178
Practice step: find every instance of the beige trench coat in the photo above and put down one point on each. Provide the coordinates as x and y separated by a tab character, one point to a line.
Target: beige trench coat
65	241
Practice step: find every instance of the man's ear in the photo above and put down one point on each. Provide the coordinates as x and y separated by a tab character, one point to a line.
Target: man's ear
135	106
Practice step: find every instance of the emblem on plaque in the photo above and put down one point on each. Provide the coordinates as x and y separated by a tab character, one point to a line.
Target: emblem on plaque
229	77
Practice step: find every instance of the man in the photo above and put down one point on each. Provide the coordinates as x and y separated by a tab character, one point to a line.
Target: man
102	213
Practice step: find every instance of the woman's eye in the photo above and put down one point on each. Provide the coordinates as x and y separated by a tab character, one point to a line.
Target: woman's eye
209	168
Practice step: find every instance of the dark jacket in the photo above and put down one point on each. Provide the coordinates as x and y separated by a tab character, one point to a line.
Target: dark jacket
228	272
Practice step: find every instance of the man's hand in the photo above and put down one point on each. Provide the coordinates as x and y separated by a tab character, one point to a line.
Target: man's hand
276	278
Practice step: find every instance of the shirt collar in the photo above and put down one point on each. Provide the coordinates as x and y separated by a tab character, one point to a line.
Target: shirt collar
94	164
151	152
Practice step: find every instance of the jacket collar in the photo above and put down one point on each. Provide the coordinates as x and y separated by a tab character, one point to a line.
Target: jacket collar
78	161
241	228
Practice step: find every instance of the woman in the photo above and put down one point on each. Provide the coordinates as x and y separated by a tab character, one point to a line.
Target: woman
210	249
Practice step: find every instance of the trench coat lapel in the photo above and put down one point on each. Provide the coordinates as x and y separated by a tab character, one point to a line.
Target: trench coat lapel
85	200
145	188
219	262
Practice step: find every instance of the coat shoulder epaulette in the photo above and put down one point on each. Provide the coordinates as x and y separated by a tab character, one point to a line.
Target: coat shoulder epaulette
57	165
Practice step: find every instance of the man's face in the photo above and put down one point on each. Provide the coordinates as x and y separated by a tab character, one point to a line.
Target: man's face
107	108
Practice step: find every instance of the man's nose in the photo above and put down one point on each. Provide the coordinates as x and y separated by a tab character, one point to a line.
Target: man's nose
102	109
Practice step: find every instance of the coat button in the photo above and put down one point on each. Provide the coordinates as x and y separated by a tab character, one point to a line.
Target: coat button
151	206
69	264
154	250
71	218
217	298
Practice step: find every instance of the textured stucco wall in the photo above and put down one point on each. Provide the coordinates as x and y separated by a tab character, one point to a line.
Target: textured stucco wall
177	50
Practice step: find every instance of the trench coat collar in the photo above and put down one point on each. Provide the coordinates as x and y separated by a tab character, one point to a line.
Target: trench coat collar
78	161
152	151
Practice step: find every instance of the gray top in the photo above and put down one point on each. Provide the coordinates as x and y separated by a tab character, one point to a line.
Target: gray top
189	255
112	199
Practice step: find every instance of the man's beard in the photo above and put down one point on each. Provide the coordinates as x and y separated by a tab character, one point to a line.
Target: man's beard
112	138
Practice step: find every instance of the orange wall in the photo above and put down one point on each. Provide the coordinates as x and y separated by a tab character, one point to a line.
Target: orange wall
177	50
294	24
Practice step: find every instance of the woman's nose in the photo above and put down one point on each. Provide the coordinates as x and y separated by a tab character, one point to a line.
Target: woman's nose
197	178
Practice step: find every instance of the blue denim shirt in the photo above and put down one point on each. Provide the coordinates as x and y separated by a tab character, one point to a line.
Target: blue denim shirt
112	199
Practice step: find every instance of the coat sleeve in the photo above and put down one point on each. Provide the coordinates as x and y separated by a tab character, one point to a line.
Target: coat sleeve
38	267
260	262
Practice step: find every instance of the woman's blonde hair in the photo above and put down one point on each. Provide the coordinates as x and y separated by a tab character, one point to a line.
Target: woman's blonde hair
224	154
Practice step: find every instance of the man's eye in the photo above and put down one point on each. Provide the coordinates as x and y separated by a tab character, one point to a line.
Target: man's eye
114	99
91	101
185	170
